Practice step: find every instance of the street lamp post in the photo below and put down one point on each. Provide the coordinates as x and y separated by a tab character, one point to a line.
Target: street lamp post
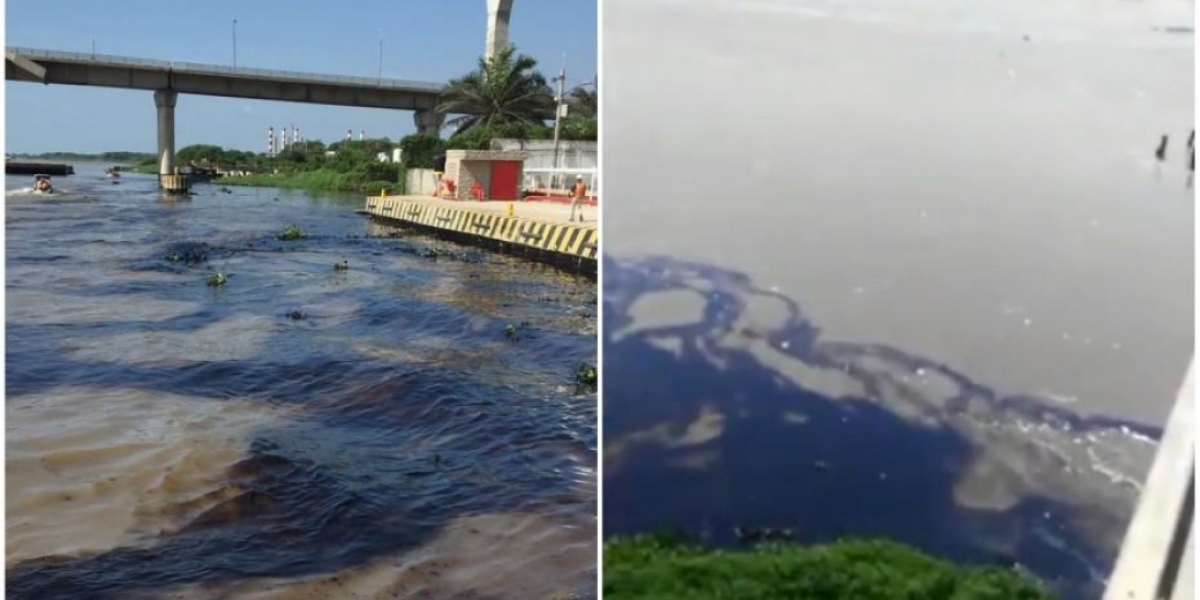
380	57
558	104
235	42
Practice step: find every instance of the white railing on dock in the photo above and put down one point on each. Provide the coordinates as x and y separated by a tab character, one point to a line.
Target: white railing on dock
1157	559
561	180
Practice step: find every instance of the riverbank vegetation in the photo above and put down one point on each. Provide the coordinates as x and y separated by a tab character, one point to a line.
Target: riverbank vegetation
504	97
117	158
669	567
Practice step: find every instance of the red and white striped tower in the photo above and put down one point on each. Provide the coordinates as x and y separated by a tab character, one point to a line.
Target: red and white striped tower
270	141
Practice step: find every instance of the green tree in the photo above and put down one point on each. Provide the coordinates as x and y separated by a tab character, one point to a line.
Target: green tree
200	153
587	102
505	88
312	147
583	118
480	138
418	150
579	128
349	155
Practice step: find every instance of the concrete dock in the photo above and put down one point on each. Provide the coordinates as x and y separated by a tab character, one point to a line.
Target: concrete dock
535	228
37	168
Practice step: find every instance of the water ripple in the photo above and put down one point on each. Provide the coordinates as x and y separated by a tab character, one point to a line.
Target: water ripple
298	431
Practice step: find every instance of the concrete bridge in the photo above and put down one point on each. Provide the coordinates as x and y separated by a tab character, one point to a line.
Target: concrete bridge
168	79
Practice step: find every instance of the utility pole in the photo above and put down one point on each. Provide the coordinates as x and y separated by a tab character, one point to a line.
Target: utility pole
235	43
558	105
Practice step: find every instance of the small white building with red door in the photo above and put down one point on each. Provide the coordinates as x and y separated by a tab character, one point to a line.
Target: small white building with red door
485	174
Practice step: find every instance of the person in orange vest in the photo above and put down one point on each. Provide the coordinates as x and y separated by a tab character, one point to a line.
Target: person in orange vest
439	173
580	194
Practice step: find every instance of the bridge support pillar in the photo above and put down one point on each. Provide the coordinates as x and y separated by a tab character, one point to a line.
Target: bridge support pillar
499	12
429	122
171	183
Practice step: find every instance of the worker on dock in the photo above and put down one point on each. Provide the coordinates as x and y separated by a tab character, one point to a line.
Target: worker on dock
580	192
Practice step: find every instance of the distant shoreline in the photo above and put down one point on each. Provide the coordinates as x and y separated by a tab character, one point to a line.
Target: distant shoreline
320	180
114	157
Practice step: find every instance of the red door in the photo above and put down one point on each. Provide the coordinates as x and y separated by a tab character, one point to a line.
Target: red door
506	184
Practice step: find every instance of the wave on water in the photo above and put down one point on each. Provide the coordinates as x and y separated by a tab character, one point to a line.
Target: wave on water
298	432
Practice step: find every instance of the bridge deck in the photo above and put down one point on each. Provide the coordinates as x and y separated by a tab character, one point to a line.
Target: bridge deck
106	70
128	62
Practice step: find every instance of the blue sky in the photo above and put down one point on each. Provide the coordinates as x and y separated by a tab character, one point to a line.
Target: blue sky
426	40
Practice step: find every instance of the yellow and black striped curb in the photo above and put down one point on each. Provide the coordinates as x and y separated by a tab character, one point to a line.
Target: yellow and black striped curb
568	240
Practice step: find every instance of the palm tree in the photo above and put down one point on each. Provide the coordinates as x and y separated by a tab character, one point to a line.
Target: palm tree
586	104
504	89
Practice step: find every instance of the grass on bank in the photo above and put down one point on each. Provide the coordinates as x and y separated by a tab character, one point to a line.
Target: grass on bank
665	568
321	179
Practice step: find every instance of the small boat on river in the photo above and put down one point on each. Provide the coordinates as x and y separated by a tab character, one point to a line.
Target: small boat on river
41	184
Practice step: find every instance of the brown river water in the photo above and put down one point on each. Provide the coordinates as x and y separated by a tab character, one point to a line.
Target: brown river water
166	439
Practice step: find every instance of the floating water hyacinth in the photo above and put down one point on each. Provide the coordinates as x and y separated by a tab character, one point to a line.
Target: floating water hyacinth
292	233
216	279
585	377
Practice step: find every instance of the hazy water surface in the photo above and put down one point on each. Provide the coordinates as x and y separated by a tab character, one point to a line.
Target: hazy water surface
913	265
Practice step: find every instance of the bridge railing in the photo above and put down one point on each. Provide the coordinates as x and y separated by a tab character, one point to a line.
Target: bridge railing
203	68
35	53
1155	558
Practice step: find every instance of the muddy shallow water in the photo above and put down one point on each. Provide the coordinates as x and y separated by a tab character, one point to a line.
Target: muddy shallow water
896	268
299	432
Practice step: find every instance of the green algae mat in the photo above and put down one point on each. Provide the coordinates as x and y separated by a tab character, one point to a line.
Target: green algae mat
645	567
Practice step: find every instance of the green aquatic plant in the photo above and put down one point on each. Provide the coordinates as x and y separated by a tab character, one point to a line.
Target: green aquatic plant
292	233
215	279
586	377
672	567
188	253
513	332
